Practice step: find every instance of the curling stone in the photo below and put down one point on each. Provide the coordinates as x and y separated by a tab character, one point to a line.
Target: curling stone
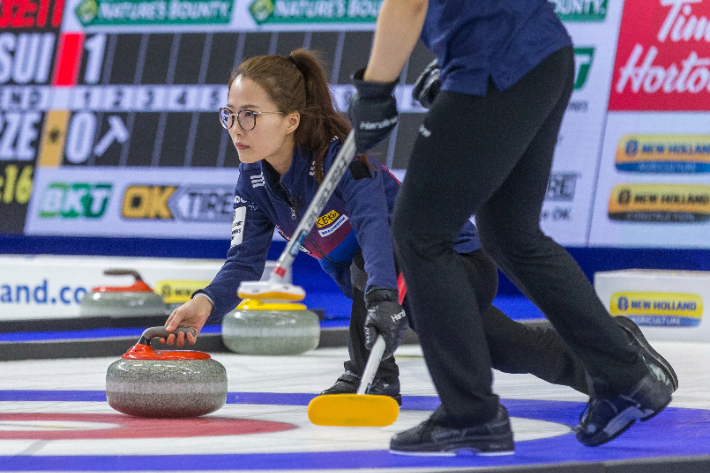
122	301
262	328
154	383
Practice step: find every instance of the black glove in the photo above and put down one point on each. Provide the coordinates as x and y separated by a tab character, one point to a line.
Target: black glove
373	111
428	85
386	317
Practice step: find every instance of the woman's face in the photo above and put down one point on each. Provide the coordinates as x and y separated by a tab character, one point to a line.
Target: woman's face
273	136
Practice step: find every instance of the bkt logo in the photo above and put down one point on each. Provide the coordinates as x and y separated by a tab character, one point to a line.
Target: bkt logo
192	203
77	200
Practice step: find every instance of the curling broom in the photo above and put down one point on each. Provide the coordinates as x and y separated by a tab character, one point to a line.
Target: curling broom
357	410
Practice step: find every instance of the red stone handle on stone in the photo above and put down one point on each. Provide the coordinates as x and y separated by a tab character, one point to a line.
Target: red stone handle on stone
160	332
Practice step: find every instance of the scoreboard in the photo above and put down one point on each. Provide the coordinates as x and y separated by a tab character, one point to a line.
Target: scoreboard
108	123
90	95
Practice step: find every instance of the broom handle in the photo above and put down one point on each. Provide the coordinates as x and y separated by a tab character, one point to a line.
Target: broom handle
325	190
373	362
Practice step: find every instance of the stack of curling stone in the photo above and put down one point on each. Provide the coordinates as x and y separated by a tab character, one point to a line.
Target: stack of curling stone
152	383
263	328
122	301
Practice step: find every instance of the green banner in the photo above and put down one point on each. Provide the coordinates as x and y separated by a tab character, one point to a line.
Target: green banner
153	12
580	10
273	12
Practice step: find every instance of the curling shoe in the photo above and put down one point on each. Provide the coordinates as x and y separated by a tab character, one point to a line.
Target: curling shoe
348	383
605	418
659	365
430	438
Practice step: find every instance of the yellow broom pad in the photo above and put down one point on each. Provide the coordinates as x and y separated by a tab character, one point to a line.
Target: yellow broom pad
353	410
271	296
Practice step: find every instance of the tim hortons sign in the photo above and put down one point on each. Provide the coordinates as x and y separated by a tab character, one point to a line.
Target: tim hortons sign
663	56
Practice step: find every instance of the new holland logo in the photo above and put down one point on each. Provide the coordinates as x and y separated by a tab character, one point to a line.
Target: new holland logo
658	308
664	153
177	292
258	180
660	203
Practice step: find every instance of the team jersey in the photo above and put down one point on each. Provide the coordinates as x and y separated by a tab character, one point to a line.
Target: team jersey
356	217
497	40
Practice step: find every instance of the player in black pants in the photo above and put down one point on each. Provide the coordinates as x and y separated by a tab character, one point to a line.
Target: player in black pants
485	149
514	347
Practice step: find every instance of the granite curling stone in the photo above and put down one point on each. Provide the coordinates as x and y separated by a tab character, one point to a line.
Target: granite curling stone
122	301
262	328
153	383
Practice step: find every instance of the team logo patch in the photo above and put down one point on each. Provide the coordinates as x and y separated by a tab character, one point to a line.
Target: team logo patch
327	219
330	222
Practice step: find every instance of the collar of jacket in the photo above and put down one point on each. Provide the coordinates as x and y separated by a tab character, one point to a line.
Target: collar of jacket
297	172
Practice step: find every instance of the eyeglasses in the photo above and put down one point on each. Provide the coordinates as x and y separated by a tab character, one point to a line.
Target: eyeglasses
245	118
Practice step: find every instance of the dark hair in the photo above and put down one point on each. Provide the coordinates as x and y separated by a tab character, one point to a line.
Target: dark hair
297	83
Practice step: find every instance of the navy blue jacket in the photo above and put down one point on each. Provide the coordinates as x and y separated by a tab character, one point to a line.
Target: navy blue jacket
498	39
356	217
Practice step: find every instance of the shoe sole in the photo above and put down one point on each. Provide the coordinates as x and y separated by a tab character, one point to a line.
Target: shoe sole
505	447
454	454
634	331
622	417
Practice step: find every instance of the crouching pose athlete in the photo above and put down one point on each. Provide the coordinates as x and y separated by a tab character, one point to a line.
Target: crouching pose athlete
282	120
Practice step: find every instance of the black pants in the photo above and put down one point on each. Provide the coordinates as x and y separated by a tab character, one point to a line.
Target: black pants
514	347
491	157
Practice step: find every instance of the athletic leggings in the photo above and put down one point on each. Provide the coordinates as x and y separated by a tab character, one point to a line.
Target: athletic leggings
491	157
514	347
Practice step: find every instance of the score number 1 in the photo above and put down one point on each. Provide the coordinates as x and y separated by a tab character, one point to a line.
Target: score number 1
95	47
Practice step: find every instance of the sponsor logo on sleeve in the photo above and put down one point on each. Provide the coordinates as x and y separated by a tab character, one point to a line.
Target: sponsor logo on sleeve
664	153
240	214
659	308
660	203
330	222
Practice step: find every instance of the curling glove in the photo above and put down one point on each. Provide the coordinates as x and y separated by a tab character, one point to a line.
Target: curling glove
373	111
386	317
428	85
